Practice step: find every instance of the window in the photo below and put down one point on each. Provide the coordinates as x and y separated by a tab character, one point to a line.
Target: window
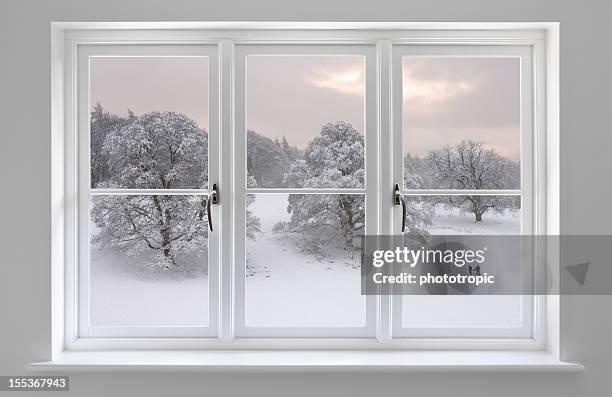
146	259
308	175
218	182
465	130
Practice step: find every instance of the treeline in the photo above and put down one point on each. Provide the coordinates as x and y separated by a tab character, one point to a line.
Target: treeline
101	123
269	160
466	165
167	150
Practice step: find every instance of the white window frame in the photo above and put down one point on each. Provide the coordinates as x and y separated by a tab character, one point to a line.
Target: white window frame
85	191
67	36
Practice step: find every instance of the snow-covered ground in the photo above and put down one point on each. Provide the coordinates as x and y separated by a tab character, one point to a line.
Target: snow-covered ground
123	293
290	288
454	221
285	287
466	311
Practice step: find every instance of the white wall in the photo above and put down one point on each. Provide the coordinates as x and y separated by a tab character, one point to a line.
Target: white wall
586	143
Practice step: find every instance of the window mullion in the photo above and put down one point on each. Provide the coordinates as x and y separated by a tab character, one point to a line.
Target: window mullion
386	172
305	191
459	192
139	192
227	263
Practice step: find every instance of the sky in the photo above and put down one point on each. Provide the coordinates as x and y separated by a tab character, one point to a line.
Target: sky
294	96
445	100
145	84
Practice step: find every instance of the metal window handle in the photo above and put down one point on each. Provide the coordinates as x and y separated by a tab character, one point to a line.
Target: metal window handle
213	198
398	199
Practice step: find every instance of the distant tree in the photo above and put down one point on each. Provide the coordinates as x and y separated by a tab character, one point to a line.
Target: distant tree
268	160
469	165
417	172
253	224
419	216
335	159
292	152
479	205
100	124
419	210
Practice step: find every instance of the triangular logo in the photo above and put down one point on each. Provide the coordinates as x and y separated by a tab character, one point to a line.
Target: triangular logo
578	271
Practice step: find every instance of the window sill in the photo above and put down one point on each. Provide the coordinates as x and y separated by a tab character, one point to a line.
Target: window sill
347	361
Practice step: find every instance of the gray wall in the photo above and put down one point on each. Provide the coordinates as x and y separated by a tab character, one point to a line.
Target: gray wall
25	157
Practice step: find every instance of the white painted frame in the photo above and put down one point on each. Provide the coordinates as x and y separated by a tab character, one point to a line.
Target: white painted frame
66	36
84	54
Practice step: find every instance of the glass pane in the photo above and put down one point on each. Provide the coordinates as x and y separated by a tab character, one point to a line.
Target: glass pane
149	262
303	260
149	122
461	122
305	121
461	215
461	311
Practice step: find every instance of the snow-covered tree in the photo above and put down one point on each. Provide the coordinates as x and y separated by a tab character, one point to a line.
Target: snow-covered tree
158	150
253	224
417	173
291	152
479	205
100	124
469	165
335	159
419	210
323	219
419	215
170	225
268	160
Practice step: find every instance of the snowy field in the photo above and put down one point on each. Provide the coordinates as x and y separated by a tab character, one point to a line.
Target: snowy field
451	221
123	292
285	287
290	288
466	311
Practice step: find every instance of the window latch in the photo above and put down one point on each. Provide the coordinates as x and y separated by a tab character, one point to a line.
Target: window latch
213	198
398	200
